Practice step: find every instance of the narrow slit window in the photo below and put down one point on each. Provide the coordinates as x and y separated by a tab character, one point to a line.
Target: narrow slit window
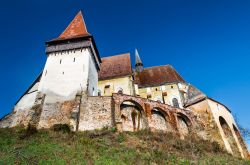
60	61
74	60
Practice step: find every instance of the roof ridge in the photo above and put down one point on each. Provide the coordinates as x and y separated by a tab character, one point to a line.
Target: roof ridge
117	55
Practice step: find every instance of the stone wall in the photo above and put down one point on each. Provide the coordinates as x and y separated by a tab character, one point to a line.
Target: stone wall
56	113
129	113
209	113
95	113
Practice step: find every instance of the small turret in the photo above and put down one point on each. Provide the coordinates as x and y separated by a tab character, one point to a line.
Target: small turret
138	62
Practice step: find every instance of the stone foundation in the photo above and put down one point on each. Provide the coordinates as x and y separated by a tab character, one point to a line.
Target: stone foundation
126	113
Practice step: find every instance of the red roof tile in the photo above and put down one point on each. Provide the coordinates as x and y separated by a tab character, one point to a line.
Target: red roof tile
76	28
115	66
157	75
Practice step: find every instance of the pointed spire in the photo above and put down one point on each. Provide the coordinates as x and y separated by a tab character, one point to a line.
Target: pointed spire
138	62
76	28
137	57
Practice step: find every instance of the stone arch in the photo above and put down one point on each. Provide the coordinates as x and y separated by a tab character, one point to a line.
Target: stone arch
241	141
229	136
132	115
184	124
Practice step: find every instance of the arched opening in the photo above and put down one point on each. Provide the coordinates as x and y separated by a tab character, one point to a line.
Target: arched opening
120	90
133	116
175	103
241	141
183	124
99	92
229	136
158	121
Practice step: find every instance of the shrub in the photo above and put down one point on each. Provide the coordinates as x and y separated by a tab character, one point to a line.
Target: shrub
62	128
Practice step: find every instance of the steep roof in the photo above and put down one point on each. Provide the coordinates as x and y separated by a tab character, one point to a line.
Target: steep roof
193	95
157	75
76	28
115	66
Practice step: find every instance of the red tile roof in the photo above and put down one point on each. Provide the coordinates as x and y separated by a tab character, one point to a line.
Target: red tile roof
75	29
157	75
115	66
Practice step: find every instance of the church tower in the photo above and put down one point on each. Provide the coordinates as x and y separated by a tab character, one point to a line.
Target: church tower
138	62
72	63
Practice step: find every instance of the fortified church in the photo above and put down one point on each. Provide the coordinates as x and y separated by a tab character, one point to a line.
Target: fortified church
79	88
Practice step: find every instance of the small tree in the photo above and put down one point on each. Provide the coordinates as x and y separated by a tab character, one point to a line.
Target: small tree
245	132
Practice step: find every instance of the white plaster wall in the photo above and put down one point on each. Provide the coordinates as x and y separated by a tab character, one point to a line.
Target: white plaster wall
220	110
93	78
61	81
27	101
173	93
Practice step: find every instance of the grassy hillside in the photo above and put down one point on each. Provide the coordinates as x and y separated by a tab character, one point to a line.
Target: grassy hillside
18	146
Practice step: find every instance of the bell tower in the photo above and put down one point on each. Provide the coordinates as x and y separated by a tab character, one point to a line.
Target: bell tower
72	63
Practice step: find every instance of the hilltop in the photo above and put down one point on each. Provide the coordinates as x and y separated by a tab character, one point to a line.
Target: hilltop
60	146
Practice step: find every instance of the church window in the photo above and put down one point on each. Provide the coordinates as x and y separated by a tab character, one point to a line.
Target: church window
99	92
107	90
120	90
155	89
149	96
60	61
74	60
175	103
172	87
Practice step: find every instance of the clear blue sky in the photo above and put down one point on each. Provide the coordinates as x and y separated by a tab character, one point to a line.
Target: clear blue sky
208	42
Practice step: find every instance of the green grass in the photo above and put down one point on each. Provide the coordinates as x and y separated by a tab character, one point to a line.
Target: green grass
107	147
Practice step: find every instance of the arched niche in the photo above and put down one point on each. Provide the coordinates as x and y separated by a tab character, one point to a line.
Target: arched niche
133	116
184	124
158	120
229	136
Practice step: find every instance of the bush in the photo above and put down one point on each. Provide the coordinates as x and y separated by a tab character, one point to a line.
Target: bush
62	128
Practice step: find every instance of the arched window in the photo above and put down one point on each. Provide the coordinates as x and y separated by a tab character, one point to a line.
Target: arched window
120	90
99	92
175	103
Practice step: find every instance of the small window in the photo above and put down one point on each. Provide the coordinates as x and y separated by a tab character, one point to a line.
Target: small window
60	61
74	60
149	96
99	92
107	91
156	89
175	103
45	72
120	91
62	72
172	87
